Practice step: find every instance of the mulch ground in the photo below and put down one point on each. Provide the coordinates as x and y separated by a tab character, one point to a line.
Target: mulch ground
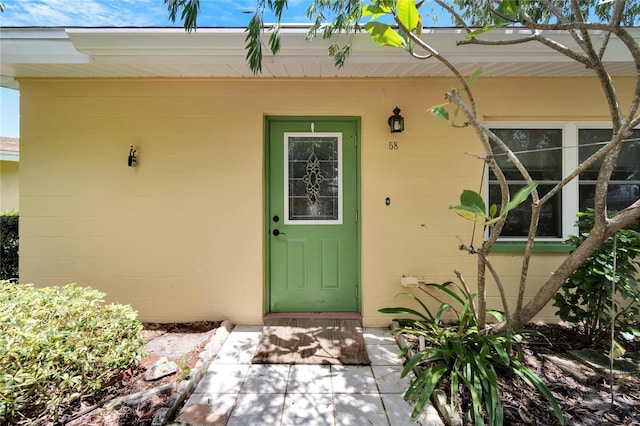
583	404
132	380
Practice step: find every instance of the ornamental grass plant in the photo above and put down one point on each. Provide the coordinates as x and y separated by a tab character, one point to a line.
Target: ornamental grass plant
459	355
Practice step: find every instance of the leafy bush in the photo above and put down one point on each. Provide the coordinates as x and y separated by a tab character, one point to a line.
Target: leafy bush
58	344
469	358
8	245
585	299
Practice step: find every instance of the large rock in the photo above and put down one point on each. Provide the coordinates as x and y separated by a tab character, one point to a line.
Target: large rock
174	345
159	369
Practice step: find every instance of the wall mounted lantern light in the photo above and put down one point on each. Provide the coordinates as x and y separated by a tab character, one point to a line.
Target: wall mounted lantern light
132	161
396	121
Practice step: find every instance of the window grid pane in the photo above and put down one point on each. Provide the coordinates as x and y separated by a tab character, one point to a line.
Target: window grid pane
624	186
540	151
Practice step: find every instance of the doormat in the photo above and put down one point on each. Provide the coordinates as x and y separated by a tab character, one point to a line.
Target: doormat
312	341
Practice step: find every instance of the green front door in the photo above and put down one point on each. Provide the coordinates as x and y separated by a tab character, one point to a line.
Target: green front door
312	215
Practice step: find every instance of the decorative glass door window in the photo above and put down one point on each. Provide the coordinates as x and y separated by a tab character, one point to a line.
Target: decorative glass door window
313	178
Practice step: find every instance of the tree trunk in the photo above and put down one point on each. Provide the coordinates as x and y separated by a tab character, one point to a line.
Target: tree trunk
597	236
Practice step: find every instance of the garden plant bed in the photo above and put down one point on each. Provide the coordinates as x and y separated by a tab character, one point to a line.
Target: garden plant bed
583	392
132	380
583	402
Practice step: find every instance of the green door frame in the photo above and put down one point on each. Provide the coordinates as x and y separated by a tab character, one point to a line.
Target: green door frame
266	189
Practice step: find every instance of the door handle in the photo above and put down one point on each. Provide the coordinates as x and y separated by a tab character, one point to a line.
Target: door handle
277	232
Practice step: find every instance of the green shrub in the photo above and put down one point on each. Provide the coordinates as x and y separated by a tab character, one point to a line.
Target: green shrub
585	299
58	344
8	245
467	358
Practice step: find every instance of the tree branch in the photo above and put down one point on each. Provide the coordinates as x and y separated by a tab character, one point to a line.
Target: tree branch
455	14
503	295
597	156
467	293
526	260
616	19
597	235
434	53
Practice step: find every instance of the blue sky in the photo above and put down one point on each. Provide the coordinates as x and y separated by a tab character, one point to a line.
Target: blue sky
121	13
132	13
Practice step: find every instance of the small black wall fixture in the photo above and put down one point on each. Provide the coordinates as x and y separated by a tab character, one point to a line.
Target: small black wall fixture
396	121
132	161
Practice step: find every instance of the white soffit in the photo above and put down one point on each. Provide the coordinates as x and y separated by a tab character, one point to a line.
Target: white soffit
220	52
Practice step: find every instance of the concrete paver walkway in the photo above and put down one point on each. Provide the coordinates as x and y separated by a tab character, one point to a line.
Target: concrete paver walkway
236	392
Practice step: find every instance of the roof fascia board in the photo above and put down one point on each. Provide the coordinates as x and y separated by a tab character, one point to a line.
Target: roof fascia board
144	52
155	43
6	155
38	46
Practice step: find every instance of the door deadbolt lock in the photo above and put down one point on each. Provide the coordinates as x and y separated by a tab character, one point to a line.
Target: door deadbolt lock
276	219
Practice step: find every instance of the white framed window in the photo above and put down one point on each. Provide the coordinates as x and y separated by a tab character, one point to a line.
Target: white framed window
550	151
624	185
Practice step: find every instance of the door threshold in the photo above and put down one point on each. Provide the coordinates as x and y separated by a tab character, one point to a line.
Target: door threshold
313	315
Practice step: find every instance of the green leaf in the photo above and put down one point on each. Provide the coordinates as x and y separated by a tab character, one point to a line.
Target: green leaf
376	10
494	406
493	210
498	315
384	35
402	310
439	112
476	401
457	346
502	353
418	358
466	214
520	197
454	386
443	308
467	314
417	299
253	45
445	287
473	200
471	206
531	378
278	6
474	76
189	16
485	29
491	222
510	10
431	377
274	39
408	14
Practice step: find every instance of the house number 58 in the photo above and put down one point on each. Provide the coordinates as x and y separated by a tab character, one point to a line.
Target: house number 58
393	146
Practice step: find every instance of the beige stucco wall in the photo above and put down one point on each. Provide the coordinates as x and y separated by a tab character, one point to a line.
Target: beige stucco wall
9	183
180	237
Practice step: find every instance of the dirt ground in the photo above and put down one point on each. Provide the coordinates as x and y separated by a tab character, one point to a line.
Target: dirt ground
178	342
584	404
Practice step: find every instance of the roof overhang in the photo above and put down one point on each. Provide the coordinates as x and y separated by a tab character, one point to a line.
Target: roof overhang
220	53
6	155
